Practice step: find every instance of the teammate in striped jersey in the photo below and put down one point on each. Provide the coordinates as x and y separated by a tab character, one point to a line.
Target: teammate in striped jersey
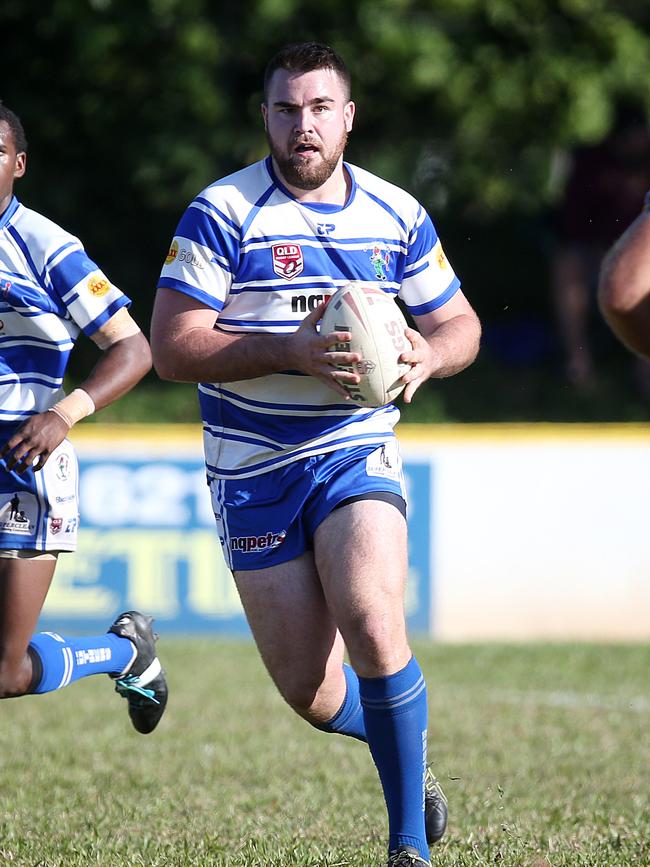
307	485
51	291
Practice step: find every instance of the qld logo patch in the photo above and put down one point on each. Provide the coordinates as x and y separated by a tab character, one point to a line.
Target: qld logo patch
287	260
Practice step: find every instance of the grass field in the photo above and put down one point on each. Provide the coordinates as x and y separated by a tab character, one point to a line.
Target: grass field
544	752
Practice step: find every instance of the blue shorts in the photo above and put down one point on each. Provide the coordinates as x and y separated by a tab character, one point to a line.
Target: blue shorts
271	518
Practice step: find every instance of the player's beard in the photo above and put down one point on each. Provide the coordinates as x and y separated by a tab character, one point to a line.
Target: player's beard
302	174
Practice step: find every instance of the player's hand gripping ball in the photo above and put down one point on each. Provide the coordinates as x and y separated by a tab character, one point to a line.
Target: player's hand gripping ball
377	327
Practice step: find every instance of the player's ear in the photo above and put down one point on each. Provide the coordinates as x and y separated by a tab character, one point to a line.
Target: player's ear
21	164
265	114
348	114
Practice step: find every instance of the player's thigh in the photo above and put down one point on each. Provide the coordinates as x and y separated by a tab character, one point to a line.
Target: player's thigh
361	557
290	621
23	587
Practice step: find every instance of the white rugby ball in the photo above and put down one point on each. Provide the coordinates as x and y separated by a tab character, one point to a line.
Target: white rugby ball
377	327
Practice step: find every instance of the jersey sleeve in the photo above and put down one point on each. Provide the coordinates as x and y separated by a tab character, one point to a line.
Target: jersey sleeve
203	254
84	290
429	280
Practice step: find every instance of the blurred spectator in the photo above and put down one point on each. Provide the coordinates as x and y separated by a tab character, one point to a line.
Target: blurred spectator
604	193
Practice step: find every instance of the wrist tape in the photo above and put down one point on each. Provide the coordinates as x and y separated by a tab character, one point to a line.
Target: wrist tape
74	406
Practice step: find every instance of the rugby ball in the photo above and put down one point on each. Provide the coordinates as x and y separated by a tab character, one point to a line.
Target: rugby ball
377	326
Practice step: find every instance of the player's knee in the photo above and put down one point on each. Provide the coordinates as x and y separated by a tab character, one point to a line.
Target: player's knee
375	645
301	694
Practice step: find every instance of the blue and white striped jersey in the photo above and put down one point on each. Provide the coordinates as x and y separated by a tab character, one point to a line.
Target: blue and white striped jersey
50	290
262	260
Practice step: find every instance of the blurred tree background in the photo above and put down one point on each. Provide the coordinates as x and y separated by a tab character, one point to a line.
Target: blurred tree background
474	106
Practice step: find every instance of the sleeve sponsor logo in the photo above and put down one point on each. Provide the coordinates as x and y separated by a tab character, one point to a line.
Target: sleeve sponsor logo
441	259
173	253
99	286
190	258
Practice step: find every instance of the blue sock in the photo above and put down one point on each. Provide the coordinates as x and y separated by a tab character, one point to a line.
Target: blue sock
395	714
64	660
348	720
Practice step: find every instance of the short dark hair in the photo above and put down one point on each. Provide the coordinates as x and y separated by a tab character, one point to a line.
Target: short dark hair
13	122
305	57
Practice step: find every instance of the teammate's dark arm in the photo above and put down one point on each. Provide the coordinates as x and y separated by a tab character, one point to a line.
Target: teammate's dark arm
120	366
624	288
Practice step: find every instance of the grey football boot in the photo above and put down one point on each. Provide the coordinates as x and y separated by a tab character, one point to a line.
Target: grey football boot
435	808
143	684
407	856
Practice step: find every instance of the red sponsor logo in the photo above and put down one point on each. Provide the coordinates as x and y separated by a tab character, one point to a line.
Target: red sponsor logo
56	524
287	260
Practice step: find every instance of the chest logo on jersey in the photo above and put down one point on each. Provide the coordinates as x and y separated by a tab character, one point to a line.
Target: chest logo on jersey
287	260
380	258
5	287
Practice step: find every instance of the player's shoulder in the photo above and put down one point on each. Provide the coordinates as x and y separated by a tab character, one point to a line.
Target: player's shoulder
238	192
394	197
40	234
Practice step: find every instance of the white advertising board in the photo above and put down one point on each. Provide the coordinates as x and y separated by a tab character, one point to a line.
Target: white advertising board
541	532
516	533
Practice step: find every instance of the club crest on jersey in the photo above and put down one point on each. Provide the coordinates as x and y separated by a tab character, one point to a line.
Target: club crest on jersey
62	467
55	525
380	261
287	260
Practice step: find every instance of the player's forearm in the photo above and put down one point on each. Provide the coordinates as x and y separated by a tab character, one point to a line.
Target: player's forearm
624	289
207	355
455	344
120	367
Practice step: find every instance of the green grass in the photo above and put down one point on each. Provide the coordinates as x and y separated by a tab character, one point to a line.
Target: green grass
543	751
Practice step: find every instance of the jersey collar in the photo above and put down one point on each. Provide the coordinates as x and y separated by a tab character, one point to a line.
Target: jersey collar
319	207
8	213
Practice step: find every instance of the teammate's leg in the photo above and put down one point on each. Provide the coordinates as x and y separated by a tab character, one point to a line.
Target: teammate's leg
42	662
360	553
